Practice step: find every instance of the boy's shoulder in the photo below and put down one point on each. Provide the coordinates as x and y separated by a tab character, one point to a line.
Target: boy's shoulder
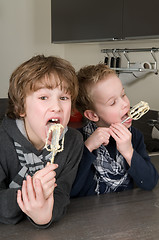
136	132
7	125
74	133
6	142
9	132
73	141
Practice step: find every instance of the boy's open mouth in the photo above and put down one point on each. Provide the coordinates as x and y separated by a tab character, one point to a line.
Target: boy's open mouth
53	121
125	117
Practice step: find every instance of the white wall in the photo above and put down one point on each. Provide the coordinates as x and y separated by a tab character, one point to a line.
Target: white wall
26	30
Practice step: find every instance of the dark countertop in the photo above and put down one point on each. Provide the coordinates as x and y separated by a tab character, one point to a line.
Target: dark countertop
128	215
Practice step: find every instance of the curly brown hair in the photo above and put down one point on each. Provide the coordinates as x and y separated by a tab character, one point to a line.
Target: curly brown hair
36	73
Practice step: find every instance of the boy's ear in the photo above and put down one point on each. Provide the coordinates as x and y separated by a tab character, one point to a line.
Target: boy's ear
91	115
22	115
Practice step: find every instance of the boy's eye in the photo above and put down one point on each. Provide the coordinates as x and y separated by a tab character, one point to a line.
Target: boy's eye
112	103
43	98
64	98
123	93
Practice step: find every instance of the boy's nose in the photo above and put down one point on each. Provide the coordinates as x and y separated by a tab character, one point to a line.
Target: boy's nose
124	103
55	106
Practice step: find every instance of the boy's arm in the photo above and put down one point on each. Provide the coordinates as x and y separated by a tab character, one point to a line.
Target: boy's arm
100	136
84	183
123	138
85	175
68	161
10	213
142	170
47	176
31	200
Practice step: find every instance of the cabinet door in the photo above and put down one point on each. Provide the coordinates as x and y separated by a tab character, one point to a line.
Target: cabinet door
86	20
140	19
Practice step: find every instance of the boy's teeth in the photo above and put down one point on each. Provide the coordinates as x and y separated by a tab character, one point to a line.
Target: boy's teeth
53	120
125	116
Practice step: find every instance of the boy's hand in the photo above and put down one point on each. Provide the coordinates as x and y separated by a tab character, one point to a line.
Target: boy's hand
100	136
122	137
33	203
47	177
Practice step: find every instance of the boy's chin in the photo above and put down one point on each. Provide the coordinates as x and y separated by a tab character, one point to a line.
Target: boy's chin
127	125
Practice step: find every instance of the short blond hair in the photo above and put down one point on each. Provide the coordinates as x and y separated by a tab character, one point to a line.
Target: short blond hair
36	73
88	76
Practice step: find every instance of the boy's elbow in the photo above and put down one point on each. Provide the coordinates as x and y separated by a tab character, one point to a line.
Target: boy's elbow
149	185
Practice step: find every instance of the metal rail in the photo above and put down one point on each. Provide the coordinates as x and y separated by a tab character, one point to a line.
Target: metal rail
125	52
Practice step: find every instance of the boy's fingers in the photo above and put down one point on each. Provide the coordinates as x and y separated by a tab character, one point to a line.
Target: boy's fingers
44	171
30	189
20	201
22	197
39	191
51	166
